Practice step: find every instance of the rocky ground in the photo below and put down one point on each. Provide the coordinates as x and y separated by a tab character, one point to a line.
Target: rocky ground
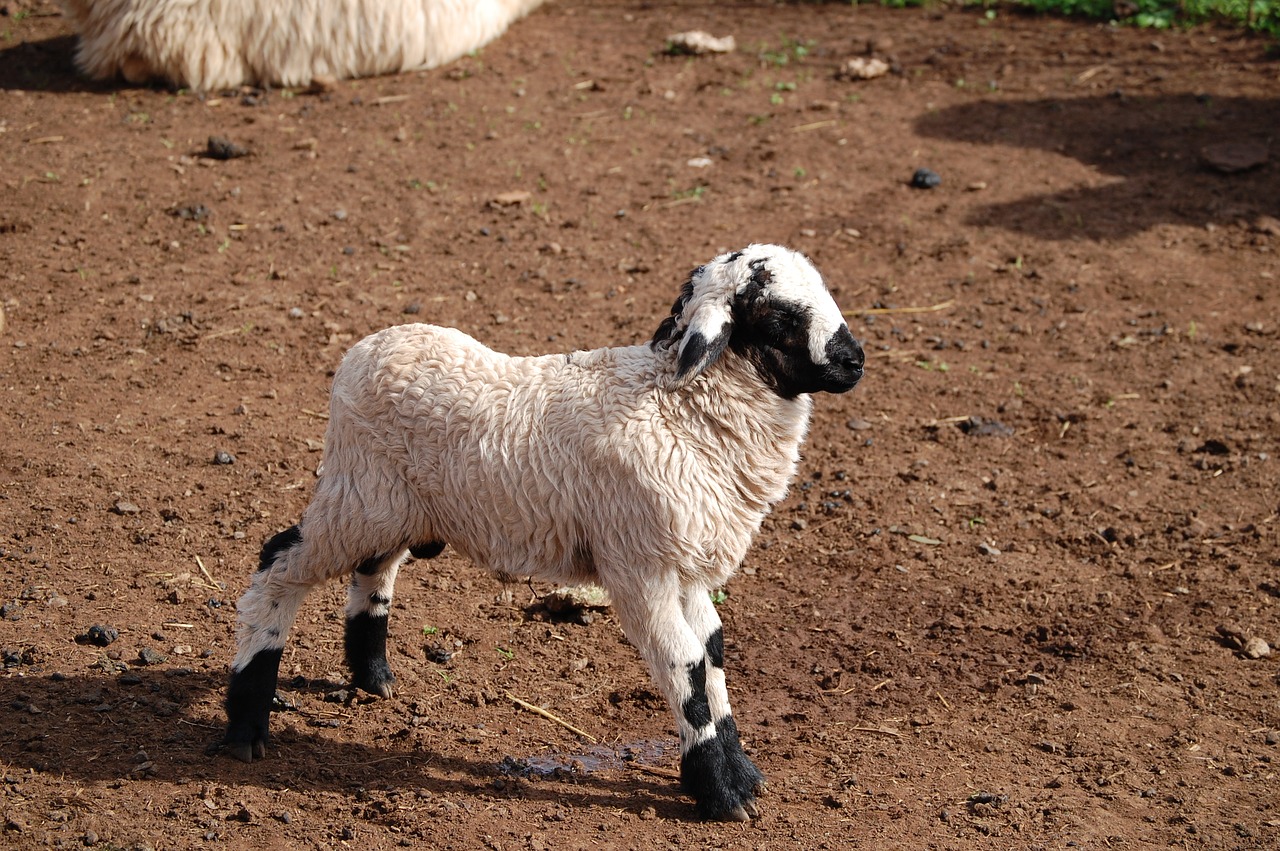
1013	600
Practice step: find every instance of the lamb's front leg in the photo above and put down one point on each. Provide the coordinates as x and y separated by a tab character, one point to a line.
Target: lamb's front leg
717	762
686	659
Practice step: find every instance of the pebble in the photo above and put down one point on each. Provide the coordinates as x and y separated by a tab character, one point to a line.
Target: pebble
125	508
863	68
1234	157
978	427
150	656
856	424
224	458
219	148
1255	648
296	313
925	179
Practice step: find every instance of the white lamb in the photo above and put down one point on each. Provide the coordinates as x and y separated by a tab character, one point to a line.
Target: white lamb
645	469
221	44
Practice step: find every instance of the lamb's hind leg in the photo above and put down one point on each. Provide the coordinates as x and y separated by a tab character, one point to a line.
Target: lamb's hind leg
368	605
368	608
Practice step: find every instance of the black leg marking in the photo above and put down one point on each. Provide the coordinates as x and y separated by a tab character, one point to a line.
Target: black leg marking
696	709
720	776
279	542
715	647
431	549
366	646
249	697
371	565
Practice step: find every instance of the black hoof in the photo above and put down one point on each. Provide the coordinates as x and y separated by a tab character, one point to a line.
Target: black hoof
376	679
721	778
249	697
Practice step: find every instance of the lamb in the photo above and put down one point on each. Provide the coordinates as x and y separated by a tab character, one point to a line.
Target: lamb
645	469
220	44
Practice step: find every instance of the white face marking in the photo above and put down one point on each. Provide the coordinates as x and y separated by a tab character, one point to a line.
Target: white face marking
796	281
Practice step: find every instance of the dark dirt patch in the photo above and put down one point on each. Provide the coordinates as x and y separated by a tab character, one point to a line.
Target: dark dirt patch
947	636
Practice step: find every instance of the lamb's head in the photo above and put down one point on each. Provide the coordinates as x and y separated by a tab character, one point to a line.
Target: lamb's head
769	306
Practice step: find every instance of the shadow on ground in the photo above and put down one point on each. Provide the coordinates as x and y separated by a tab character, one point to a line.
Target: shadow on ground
44	66
155	724
1147	151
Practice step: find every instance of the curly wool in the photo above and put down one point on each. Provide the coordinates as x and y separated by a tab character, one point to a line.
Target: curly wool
221	44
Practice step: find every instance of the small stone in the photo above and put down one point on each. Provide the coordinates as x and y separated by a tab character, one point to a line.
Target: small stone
296	313
223	458
697	43
857	424
863	68
511	199
219	148
124	508
1255	648
90	838
1234	157
979	427
150	656
988	549
925	179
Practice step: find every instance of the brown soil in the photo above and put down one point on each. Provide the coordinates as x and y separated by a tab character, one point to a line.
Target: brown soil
953	633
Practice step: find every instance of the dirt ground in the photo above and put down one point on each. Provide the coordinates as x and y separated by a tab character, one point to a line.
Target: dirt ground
1010	601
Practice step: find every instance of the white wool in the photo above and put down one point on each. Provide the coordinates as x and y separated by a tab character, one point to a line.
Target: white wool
524	463
219	44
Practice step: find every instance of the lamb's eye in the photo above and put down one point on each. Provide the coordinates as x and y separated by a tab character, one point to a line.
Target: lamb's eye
785	323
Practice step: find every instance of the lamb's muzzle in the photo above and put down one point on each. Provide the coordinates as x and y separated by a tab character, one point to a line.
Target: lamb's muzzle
645	469
844	362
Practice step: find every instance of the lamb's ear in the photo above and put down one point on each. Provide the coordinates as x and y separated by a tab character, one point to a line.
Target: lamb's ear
705	339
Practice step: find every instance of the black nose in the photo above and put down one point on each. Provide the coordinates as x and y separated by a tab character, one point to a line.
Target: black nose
845	360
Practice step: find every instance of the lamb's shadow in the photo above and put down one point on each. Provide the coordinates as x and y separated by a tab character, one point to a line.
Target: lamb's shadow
1152	143
162	723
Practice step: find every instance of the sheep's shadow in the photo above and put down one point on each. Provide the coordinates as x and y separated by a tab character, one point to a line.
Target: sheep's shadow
45	65
1152	143
161	723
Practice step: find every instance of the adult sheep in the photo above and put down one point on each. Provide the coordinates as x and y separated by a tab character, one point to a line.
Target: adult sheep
219	44
645	469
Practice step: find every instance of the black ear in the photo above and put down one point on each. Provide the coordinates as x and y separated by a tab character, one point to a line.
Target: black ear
697	352
667	330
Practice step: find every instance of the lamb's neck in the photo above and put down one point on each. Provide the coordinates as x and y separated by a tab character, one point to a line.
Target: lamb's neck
756	432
